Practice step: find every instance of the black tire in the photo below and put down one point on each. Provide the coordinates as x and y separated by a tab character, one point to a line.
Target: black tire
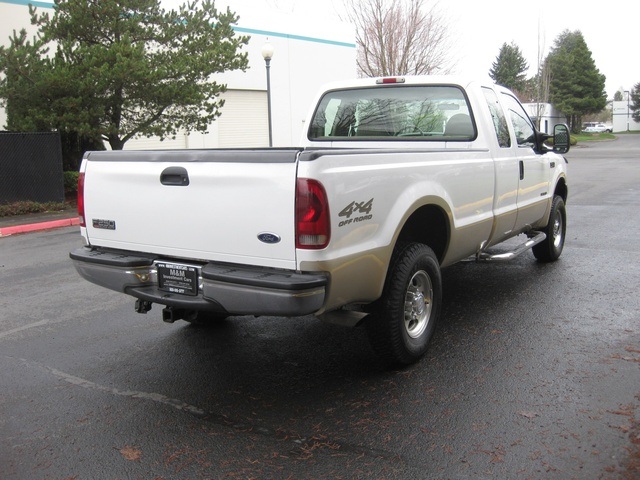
405	316
550	249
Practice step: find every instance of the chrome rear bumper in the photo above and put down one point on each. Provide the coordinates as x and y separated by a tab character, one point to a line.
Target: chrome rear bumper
231	289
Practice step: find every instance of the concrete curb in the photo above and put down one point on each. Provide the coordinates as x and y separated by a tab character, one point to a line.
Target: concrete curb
35	227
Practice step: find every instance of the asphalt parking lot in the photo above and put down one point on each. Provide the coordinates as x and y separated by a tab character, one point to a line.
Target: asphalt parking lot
534	371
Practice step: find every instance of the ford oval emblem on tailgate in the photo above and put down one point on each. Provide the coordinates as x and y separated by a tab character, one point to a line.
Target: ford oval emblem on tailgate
267	237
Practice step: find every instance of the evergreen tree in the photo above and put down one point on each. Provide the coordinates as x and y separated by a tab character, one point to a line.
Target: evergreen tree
635	102
510	68
577	86
119	69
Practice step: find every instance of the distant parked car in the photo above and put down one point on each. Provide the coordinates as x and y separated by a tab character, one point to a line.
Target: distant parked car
598	128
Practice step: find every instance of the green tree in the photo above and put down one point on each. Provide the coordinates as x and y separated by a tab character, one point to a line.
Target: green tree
577	86
635	102
509	68
111	70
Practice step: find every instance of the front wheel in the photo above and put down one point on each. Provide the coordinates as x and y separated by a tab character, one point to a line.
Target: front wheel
405	319
550	249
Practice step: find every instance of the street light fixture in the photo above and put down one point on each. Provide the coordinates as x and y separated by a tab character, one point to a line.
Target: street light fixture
267	54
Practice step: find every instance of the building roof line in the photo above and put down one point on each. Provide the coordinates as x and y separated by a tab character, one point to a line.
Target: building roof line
29	2
236	28
303	38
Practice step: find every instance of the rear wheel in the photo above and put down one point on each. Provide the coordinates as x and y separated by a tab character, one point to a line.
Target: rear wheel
550	249
406	314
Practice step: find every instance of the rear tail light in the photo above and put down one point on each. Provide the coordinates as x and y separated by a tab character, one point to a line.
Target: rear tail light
313	223
81	199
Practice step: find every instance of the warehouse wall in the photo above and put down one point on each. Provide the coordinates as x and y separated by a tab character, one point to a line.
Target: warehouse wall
309	51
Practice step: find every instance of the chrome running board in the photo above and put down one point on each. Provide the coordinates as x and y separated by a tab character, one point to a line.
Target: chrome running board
536	238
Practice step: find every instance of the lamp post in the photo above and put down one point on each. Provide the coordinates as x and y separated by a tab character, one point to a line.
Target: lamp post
267	54
627	92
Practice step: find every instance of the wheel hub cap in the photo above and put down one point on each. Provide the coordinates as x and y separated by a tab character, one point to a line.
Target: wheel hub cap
557	232
417	306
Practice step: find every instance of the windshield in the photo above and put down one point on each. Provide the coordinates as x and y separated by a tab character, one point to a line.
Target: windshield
431	112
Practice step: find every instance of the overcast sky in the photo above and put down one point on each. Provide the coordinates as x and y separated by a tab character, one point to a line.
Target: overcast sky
479	28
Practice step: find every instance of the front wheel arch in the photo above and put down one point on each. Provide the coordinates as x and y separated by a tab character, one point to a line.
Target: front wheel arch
551	248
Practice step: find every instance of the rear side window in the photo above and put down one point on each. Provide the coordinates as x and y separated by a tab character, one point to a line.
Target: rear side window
498	117
431	112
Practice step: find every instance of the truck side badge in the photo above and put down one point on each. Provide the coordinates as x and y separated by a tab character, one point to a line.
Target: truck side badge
361	209
270	238
103	224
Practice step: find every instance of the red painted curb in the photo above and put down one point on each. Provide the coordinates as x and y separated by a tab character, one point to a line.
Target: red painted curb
34	227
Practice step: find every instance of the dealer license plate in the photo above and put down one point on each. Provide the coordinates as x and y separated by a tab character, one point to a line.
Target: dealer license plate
177	278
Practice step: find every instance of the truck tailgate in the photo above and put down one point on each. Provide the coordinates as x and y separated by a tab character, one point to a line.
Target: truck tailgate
233	206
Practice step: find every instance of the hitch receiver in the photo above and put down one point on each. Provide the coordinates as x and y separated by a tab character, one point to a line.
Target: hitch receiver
143	306
171	314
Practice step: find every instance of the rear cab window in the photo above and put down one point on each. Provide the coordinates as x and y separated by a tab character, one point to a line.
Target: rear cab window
411	112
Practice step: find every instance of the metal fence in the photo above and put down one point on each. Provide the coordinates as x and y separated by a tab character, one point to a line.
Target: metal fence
31	167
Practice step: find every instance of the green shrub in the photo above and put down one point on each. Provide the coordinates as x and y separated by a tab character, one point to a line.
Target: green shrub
22	208
70	182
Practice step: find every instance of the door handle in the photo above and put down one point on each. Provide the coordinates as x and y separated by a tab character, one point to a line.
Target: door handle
521	170
175	176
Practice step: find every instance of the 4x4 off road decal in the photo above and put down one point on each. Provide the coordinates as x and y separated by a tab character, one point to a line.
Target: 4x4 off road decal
361	210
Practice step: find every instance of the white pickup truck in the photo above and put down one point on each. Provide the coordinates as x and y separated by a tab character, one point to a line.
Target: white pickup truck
395	179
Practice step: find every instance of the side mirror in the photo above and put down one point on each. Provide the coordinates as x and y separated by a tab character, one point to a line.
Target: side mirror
561	138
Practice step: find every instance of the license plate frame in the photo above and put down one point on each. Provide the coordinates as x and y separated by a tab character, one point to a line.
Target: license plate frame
178	278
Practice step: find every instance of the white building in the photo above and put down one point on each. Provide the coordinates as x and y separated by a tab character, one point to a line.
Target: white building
546	114
622	119
308	52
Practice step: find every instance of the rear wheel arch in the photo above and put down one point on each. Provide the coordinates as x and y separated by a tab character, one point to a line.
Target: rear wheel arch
428	225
